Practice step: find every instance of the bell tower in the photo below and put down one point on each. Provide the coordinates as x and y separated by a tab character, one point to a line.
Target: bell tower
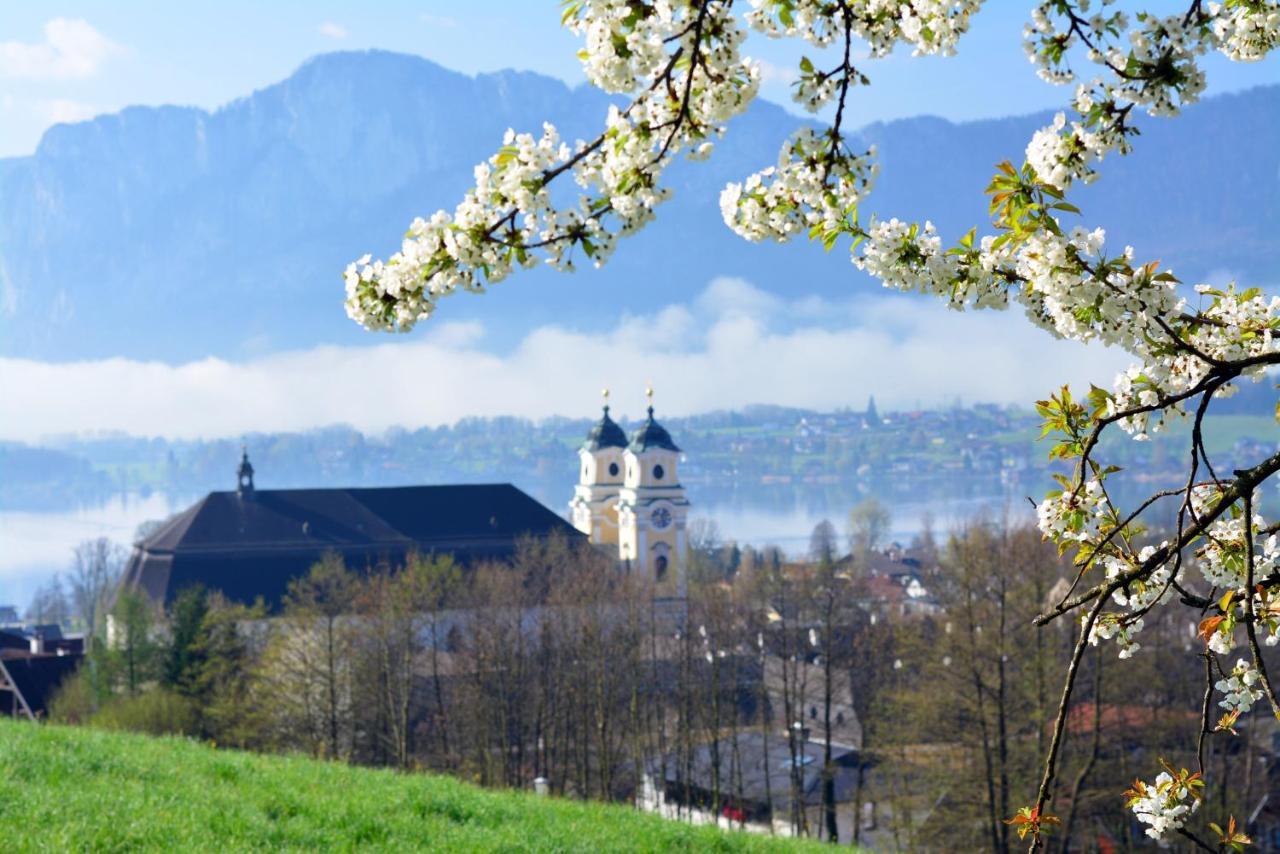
594	506
244	474
653	510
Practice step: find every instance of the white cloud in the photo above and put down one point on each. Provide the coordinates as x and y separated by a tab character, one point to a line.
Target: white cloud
772	73
732	346
71	48
333	31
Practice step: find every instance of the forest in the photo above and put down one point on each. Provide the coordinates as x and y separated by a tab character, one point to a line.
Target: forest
555	666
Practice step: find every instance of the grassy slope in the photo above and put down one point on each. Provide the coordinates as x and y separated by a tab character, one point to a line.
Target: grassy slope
66	788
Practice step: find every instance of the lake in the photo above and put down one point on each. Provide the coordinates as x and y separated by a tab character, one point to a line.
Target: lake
35	545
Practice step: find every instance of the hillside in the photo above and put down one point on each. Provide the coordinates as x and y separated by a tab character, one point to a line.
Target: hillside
117	232
78	789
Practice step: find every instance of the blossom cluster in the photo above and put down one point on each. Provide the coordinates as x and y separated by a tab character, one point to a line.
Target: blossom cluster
910	257
929	26
1061	157
1247	30
1236	326
1069	287
1165	805
682	61
1142	592
1139	595
1074	514
1240	687
815	182
814	89
1153	65
1120	628
1223	557
621	48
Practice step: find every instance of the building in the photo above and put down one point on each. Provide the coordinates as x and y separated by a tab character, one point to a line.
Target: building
758	788
33	663
251	543
629	498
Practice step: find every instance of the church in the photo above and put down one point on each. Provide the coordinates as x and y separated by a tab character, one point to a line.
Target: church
250	543
629	498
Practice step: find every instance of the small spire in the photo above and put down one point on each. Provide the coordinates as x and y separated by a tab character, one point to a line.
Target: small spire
605	394
648	393
244	474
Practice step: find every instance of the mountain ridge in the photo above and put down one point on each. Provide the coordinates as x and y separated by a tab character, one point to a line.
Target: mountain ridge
117	231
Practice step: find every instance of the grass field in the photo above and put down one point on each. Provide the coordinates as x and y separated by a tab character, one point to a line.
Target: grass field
65	788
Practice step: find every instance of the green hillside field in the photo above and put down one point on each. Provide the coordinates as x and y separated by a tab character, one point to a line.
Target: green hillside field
69	788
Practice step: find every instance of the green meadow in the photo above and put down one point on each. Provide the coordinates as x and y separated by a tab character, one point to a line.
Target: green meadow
69	788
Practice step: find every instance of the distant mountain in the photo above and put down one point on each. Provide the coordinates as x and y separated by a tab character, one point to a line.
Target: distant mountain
174	233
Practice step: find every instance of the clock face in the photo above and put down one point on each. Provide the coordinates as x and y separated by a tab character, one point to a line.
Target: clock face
660	517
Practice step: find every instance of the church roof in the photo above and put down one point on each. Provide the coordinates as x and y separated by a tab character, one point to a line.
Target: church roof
252	545
605	433
651	434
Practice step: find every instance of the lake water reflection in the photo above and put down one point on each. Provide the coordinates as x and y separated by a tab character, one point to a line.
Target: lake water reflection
34	545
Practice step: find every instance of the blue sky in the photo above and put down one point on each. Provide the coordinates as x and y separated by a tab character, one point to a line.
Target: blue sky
65	61
70	60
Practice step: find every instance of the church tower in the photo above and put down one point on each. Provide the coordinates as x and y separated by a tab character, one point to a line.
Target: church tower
652	507
594	507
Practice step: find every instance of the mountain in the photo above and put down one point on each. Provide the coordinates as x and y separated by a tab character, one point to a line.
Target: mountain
174	233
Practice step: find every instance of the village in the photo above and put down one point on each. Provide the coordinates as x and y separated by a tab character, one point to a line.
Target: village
929	504
607	652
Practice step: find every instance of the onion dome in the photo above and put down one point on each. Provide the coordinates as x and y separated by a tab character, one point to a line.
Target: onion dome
605	433
651	434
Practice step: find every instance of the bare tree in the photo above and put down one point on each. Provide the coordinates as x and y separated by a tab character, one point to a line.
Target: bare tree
389	645
822	543
50	603
306	672
95	571
869	524
437	583
704	550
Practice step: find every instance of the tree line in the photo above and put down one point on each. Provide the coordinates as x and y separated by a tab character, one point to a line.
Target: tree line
554	665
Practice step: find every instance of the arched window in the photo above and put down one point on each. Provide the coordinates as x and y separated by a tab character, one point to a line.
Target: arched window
661	560
613	469
658	472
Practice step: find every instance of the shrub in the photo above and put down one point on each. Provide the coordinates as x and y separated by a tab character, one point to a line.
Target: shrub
157	712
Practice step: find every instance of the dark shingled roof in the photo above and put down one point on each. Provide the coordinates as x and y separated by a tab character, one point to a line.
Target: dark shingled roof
252	545
605	433
651	434
36	678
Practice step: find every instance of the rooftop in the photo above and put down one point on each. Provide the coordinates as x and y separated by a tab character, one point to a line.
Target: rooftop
252	543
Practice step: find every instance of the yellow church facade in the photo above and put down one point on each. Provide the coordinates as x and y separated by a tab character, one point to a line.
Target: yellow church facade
629	498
